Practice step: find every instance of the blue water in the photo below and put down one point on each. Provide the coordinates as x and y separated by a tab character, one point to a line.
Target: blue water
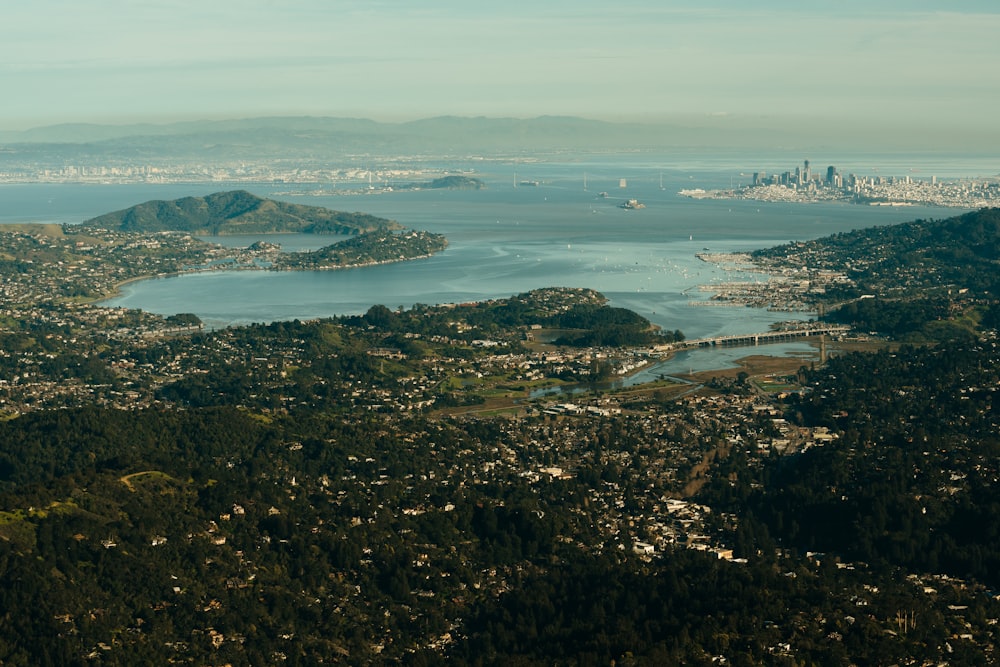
503	240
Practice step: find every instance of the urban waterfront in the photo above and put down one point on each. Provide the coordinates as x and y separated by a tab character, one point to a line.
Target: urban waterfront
565	229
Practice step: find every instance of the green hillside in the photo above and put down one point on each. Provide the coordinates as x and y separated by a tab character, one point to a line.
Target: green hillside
237	212
961	251
924	280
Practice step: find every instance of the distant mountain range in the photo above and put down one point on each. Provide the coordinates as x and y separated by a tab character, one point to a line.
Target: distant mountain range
308	131
319	138
237	212
322	138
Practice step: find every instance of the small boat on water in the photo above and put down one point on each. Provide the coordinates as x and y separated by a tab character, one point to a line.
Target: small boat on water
633	204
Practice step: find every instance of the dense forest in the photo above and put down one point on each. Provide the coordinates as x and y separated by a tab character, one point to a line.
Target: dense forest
217	535
303	493
912	481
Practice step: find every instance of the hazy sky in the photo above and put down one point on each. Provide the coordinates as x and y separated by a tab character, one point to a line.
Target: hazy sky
109	61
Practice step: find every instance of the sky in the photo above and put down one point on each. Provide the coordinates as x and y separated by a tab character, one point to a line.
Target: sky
920	64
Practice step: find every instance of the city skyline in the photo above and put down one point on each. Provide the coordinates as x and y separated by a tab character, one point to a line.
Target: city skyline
905	65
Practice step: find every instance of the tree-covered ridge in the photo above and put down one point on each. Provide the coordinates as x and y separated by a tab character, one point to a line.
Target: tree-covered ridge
685	609
926	280
959	253
435	346
552	307
911	480
368	248
123	358
237	212
226	535
283	500
574	317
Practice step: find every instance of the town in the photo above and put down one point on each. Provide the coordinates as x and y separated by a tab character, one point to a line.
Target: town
416	470
336	179
803	185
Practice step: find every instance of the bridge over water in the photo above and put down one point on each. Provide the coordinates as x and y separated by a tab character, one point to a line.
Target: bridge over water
766	337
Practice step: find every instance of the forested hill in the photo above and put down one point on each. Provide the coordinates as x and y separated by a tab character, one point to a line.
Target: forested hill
925	280
237	212
962	251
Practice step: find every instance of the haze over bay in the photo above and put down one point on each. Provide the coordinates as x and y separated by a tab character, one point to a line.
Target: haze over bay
503	240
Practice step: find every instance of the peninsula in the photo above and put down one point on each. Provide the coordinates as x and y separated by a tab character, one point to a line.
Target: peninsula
805	185
925	280
160	238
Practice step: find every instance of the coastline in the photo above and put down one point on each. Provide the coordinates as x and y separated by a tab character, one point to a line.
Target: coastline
116	289
874	191
785	290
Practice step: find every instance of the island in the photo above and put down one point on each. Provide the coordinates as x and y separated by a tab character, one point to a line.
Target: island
236	212
445	183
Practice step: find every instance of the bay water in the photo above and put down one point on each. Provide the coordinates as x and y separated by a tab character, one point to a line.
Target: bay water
566	230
